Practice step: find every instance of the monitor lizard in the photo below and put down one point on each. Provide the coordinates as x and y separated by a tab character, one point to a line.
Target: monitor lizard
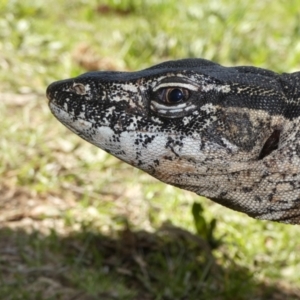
230	134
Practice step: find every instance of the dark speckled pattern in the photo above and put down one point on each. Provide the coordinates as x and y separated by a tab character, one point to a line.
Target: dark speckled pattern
234	139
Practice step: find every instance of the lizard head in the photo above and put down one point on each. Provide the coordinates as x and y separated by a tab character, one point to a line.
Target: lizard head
190	123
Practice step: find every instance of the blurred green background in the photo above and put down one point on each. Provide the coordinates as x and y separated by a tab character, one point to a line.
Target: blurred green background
75	223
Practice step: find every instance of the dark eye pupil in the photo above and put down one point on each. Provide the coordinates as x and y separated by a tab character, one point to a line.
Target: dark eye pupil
175	96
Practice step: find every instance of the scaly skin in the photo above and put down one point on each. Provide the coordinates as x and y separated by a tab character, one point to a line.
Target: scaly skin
230	134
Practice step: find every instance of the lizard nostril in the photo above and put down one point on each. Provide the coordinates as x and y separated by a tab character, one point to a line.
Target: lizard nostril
78	88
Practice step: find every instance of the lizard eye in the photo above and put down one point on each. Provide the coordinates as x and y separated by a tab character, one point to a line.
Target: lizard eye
174	95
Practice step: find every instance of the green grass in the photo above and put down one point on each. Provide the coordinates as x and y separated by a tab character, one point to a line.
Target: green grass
76	222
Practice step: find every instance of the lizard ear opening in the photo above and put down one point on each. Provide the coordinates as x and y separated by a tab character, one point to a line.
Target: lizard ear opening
271	144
